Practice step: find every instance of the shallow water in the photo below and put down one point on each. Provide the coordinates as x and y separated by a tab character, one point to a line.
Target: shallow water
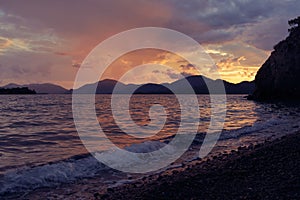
38	136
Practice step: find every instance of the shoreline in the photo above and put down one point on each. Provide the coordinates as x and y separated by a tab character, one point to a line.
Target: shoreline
267	170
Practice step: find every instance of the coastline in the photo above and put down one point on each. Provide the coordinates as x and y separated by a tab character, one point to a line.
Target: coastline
264	171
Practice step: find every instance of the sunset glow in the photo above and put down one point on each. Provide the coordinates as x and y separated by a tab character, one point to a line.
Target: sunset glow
38	46
149	99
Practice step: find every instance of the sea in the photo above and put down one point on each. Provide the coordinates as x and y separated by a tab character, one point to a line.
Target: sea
40	146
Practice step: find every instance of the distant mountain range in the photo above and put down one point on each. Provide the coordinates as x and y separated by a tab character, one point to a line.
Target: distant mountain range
198	83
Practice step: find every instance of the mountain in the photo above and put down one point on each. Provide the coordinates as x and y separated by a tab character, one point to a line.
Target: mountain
279	76
152	88
11	85
245	87
44	88
198	83
102	87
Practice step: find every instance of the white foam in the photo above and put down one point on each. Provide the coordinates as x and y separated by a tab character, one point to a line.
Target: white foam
145	147
229	134
26	179
49	175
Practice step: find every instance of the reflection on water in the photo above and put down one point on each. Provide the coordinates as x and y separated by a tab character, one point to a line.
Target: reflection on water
37	129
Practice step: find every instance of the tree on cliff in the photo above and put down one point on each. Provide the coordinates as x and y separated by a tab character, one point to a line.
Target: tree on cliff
294	23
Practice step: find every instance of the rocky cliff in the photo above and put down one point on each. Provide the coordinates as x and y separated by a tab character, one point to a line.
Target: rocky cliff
279	76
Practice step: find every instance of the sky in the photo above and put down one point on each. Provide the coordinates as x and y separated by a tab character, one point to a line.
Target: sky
46	41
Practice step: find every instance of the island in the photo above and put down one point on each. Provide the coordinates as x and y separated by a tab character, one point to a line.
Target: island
18	90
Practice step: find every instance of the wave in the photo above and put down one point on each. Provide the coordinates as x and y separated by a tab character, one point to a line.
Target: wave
49	175
85	166
257	126
54	174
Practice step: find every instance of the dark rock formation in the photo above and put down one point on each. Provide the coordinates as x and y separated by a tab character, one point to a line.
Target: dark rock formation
279	76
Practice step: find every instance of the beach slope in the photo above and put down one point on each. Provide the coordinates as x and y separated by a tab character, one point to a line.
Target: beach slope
266	171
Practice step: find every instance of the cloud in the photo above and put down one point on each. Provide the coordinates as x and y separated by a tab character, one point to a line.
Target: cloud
173	74
93	21
35	67
225	20
265	34
187	74
62	53
230	62
11	45
76	65
4	44
50	36
187	67
91	17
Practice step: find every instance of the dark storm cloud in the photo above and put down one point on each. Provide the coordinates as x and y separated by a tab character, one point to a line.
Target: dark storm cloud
227	19
207	21
225	13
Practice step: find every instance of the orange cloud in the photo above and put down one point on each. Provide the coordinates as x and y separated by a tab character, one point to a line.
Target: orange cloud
132	59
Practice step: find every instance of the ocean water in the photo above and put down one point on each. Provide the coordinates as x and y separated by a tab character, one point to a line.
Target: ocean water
40	146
